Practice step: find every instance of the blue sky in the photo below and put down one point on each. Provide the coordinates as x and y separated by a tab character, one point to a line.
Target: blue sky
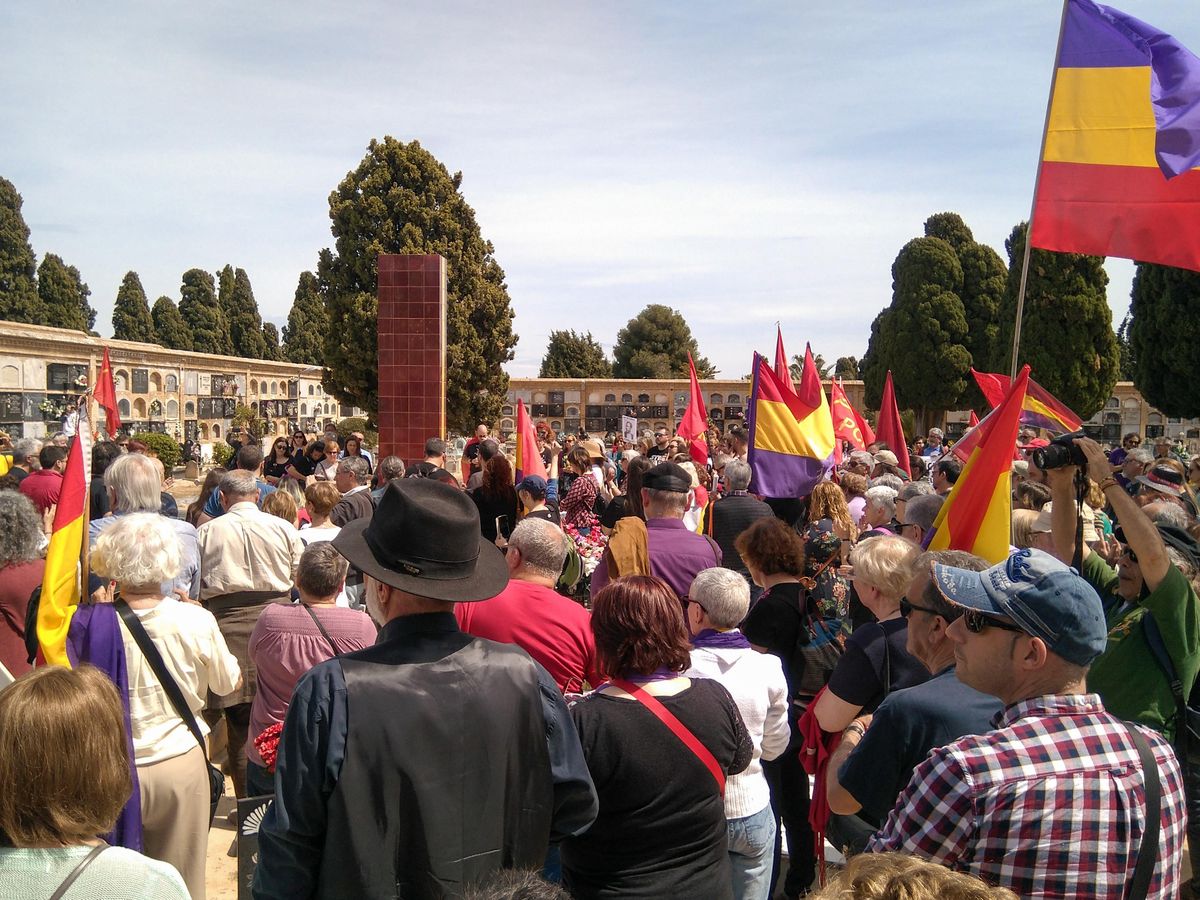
743	163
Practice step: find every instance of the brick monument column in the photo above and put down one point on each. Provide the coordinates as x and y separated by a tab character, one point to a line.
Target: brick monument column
412	353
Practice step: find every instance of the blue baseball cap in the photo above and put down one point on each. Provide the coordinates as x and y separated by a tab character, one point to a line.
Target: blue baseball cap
1041	595
535	484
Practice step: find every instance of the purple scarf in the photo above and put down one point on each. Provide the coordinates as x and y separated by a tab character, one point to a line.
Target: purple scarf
95	637
721	640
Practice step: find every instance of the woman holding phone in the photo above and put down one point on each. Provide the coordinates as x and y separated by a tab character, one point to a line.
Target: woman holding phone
496	499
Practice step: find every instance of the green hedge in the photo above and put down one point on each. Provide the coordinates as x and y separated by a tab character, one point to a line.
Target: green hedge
162	444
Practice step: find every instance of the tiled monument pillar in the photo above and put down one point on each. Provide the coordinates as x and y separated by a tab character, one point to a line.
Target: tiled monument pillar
412	353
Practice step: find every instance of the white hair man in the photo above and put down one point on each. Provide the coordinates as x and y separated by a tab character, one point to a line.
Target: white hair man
25	457
733	513
134	485
248	559
555	631
718	602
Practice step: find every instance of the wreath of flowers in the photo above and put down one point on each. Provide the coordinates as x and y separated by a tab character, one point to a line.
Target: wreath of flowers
590	546
267	745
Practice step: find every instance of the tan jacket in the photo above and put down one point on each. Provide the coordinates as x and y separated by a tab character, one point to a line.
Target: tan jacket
247	549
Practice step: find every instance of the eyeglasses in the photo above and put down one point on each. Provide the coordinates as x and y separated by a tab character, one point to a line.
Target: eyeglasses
688	601
977	621
1128	551
904	525
906	608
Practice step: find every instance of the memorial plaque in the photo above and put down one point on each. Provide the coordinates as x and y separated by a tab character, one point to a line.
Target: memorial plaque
556	397
30	402
191	430
190	383
10	407
140	381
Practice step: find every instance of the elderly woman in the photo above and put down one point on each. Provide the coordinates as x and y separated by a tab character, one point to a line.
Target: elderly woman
792	624
876	660
661	828
140	553
718	601
21	568
879	512
291	638
64	779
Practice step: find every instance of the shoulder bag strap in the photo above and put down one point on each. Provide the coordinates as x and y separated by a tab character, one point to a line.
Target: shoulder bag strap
680	730
155	661
1139	885
78	870
1158	649
321	627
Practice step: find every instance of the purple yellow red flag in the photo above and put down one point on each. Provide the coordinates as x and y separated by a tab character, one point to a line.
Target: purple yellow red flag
782	370
529	458
60	581
693	427
1041	409
977	515
1118	173
888	427
791	443
106	396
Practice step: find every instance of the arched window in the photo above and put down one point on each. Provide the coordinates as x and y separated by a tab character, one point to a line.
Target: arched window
506	410
610	398
172	383
216	431
139	408
273	389
304	409
733	400
189	409
557	426
254	385
10	376
1112	403
204	431
643	398
156	409
572	411
121	380
155	382
123	408
715	399
627	398
172	409
506	425
310	390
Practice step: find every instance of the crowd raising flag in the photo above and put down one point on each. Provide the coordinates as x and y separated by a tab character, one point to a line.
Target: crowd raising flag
977	515
1041	408
888	428
106	396
782	370
791	443
529	458
60	583
1118	173
693	427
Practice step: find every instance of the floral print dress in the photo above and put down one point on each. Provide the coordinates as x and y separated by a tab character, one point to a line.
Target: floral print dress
831	594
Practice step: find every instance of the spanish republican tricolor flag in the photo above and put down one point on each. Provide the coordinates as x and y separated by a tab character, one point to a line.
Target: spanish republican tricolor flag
1118	174
977	516
60	583
1041	409
791	437
529	458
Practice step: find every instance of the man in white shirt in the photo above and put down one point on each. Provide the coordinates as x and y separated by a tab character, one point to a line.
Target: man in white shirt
248	559
717	602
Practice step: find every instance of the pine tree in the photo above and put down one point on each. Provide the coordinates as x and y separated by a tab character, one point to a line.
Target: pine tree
571	355
400	199
270	336
200	310
131	317
655	344
245	324
19	300
169	327
307	324
64	295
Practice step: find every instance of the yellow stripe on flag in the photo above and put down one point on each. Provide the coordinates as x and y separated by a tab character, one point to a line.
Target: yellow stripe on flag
60	591
777	430
1102	116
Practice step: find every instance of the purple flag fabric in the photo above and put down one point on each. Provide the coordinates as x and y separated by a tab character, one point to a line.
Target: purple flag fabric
95	638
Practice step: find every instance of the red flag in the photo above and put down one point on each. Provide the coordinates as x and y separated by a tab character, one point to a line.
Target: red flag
529	458
845	422
889	428
693	427
977	516
782	371
1041	409
106	396
973	421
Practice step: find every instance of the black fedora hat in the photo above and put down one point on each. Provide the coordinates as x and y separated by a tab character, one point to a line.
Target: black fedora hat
424	539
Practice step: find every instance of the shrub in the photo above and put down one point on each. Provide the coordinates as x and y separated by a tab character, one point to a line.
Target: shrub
222	453
162	444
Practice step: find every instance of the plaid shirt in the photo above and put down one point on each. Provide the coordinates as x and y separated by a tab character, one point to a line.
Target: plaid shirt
1052	804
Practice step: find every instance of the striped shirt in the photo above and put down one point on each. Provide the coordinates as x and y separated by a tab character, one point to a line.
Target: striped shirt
1052	804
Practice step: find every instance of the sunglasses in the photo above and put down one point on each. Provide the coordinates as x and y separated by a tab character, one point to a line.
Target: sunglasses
977	621
1128	551
907	608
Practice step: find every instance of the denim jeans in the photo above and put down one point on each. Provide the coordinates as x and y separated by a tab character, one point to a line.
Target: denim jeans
259	781
751	847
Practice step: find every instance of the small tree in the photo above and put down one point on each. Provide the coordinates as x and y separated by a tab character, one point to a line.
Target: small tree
19	301
64	295
200	310
655	344
846	368
169	327
163	445
571	355
131	317
307	324
248	420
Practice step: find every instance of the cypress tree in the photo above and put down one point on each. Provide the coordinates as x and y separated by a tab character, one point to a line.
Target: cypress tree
270	336
169	327
19	300
131	317
200	310
64	295
307	324
245	324
1163	337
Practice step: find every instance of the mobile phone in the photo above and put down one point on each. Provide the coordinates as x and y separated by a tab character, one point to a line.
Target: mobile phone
502	525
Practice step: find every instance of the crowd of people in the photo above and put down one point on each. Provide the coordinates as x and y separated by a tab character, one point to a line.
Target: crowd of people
632	677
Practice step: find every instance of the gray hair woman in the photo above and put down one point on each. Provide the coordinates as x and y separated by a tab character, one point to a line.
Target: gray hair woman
141	552
21	568
879	511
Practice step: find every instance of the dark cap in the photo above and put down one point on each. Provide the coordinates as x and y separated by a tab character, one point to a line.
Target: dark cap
534	484
667	476
1172	536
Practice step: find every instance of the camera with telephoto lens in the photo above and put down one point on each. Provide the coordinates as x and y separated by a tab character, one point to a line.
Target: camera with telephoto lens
1061	452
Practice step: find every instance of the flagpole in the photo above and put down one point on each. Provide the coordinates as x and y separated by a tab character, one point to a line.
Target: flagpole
1062	23
86	544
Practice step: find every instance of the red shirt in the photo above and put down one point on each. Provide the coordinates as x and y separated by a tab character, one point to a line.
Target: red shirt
555	631
17	582
43	488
